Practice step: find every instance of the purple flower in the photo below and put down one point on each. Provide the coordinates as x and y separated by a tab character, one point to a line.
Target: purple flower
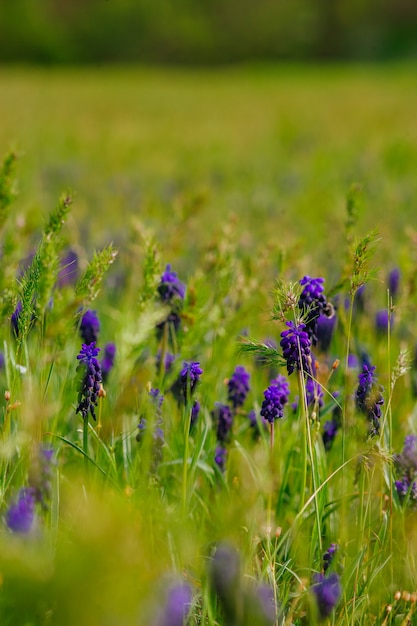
107	362
407	460
324	331
168	361
195	412
187	381
369	398
394	282
327	591
330	429
177	605
170	287
69	270
226	580
296	345
407	491
314	394
15	317
223	417
265	597
329	556
238	386
21	513
89	327
382	320
220	457
90	383
275	398
41	474
312	303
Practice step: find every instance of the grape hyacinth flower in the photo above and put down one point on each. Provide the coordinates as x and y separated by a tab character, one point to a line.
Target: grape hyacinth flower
15	318
168	361
90	383
238	386
187	381
177	606
223	417
327	592
324	331
107	362
407	491
89	327
275	398
406	468
226	580
312	303
296	347
170	288
394	282
68	272
41	474
195	412
369	398
330	430
329	556
220	457
382	320
21	513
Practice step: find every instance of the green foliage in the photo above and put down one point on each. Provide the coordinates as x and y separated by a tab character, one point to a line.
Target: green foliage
89	285
7	185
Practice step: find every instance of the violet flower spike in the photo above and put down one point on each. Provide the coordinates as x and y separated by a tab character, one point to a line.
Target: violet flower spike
296	348
90	384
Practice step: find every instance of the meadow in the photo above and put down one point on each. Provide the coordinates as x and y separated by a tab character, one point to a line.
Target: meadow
201	467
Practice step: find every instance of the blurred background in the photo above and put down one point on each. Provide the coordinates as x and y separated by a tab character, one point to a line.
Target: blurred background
205	31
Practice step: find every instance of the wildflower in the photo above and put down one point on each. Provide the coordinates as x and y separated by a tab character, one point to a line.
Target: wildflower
187	381
324	331
369	399
382	320
168	361
21	513
107	362
89	327
90	383
177	605
394	282
238	386
226	580
223	417
170	288
40	476
327	591
68	270
329	556
263	605
275	398
330	429
407	460
312	303
195	412
220	457
407	491
15	317
296	345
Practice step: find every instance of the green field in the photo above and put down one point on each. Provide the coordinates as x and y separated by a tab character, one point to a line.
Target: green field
236	177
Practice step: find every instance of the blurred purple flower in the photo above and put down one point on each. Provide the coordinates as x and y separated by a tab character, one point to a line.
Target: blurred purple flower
89	327
170	287
394	282
223	418
21	513
382	319
327	591
296	347
107	362
238	386
177	605
69	270
220	457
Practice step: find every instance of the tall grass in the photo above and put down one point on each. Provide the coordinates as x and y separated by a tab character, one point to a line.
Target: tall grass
131	505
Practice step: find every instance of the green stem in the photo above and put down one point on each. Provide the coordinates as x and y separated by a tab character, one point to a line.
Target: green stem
85	441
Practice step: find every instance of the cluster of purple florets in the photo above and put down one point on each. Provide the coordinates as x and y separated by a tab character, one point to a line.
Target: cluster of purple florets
406	469
90	383
238	386
276	396
296	347
369	399
313	304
